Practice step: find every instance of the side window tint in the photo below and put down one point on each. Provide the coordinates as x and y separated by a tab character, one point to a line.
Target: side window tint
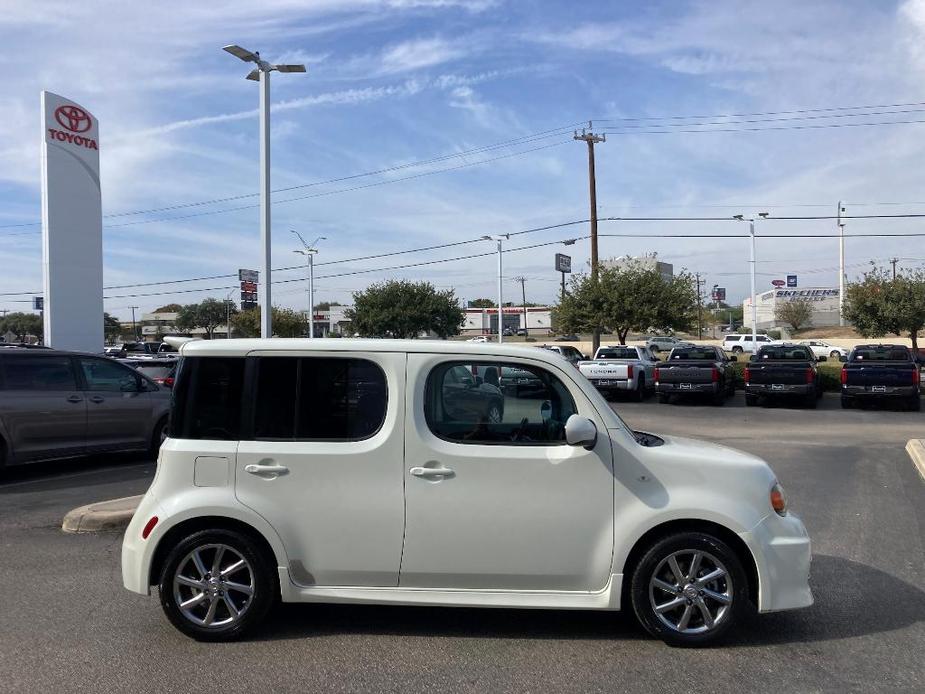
207	399
318	399
499	404
38	373
102	375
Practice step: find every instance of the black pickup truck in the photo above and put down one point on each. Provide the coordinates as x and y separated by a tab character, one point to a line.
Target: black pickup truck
695	370
881	372
783	371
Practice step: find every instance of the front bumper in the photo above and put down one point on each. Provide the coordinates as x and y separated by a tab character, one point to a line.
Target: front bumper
677	389
783	554
780	389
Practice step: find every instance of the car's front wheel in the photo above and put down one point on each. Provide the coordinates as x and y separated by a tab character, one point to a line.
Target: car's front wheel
216	585
835	354
689	589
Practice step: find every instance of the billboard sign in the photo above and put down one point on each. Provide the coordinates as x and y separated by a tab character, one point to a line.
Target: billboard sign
38	303
718	293
563	262
72	226
778	283
791	281
248	276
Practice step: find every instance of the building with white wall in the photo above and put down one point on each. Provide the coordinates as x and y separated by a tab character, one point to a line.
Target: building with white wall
822	300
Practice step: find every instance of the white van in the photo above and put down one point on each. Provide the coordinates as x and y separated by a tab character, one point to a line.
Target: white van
406	472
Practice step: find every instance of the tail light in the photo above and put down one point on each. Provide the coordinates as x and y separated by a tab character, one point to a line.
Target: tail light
629	372
168	381
810	376
714	376
844	376
656	375
916	376
747	375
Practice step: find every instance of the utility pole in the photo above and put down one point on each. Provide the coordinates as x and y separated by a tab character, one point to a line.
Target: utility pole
592	139
841	266
499	238
699	308
894	261
228	303
523	290
134	331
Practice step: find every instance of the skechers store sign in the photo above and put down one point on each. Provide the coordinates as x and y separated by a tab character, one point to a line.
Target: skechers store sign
804	294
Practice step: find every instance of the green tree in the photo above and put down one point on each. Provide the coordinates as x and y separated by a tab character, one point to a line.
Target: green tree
112	328
879	305
286	323
631	297
796	313
326	305
482	303
169	308
22	324
404	309
206	315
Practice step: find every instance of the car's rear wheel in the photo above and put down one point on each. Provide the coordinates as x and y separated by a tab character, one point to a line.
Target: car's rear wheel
737	350
689	589
751	400
915	403
640	393
846	403
216	585
664	398
158	437
835	354
811	400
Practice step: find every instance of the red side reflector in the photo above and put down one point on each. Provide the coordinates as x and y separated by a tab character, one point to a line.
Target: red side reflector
149	526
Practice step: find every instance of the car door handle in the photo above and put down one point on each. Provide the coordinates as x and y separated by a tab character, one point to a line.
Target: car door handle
431	472
75	398
97	398
267	471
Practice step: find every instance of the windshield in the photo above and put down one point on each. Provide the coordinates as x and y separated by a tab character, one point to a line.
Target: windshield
881	353
693	354
617	353
786	353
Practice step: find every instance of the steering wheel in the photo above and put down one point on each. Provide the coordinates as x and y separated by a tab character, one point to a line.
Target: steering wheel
520	433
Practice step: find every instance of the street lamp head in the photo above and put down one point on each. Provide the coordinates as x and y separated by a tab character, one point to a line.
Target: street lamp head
254	75
290	68
569	242
242	53
763	215
740	217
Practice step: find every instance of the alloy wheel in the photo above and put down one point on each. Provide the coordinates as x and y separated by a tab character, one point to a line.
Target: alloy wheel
691	592
213	586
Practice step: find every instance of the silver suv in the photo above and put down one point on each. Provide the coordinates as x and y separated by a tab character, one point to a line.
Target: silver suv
62	404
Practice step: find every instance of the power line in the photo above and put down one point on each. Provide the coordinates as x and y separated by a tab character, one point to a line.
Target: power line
769	128
778	120
764	113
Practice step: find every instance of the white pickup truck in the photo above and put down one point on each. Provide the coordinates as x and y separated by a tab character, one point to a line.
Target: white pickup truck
621	368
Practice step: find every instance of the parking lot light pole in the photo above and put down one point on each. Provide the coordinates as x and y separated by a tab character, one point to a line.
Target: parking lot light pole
309	251
841	266
751	262
499	238
261	74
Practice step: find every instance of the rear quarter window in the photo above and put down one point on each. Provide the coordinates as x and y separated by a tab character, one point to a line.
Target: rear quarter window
207	399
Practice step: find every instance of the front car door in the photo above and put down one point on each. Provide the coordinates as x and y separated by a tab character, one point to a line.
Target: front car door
321	459
42	410
504	505
119	412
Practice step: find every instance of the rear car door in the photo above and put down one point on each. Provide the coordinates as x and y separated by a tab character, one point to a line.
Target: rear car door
321	458
42	410
504	505
119	412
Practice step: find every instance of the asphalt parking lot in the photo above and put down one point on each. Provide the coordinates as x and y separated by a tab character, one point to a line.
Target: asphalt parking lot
66	624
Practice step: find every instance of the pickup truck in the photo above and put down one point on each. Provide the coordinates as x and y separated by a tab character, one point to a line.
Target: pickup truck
621	368
881	372
783	371
695	370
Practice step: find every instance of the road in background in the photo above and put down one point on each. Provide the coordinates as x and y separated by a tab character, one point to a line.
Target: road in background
66	623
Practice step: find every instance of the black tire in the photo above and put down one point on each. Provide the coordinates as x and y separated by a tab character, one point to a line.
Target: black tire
253	609
751	400
640	394
915	405
719	398
664	398
737	350
732	585
157	437
846	403
811	400
834	354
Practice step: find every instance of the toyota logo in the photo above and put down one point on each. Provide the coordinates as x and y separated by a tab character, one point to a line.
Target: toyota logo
73	118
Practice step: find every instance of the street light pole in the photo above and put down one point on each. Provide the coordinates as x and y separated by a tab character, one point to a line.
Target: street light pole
309	251
841	266
261	74
751	262
499	238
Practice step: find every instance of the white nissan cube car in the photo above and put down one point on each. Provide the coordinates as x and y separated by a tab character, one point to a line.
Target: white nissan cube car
445	473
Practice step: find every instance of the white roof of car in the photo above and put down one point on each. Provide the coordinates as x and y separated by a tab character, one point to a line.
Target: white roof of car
202	348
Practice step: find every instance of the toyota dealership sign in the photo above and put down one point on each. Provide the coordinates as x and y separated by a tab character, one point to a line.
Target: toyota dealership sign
72	225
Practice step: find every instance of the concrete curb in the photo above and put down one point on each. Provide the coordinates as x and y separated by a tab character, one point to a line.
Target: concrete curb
916	450
103	515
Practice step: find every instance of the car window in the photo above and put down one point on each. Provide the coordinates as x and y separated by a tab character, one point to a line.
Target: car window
207	398
748	338
881	353
102	374
509	405
693	353
617	353
38	373
781	353
322	398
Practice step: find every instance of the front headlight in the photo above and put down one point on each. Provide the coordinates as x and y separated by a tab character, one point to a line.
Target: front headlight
778	499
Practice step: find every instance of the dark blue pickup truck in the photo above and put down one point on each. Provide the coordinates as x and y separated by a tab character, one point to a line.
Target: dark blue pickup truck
783	371
881	372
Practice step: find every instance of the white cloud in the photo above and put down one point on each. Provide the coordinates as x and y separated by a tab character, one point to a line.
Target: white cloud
417	54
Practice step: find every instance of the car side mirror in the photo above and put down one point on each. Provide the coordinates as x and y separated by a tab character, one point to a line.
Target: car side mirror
822	358
580	431
733	358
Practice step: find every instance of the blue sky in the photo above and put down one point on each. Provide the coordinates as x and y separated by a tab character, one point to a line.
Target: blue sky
391	83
